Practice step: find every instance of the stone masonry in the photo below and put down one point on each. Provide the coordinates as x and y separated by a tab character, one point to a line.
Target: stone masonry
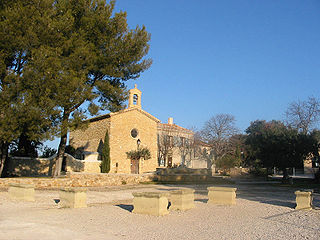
120	125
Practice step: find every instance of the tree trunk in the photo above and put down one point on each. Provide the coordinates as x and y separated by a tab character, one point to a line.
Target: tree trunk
62	146
3	155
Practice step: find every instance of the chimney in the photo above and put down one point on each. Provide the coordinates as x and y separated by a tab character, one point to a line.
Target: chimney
170	120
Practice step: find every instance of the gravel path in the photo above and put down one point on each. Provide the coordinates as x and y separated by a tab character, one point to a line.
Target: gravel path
261	212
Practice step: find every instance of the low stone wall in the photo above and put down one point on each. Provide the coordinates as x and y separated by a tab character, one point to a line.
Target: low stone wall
183	170
26	166
79	180
189	178
76	165
238	171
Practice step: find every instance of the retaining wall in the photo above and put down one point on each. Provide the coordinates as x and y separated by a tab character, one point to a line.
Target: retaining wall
79	180
26	166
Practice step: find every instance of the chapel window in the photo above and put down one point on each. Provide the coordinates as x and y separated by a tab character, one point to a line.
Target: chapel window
134	133
135	99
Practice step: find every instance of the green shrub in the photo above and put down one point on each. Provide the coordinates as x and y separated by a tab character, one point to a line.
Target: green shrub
260	172
140	153
48	152
105	165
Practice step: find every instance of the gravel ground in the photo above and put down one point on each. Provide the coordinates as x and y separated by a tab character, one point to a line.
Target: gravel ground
261	212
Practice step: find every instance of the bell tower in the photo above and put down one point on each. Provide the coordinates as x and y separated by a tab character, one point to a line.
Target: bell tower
134	98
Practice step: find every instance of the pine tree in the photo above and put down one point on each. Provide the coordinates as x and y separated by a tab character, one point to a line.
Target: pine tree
69	58
26	107
105	165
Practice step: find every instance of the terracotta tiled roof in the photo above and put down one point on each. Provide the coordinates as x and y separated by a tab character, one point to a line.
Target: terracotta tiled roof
173	127
201	143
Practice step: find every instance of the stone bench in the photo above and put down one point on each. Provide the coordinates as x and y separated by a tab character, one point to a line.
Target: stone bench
182	199
151	203
222	195
73	198
23	192
303	200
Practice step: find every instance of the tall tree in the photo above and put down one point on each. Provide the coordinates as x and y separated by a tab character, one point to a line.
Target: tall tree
25	108
166	145
186	147
105	165
276	145
217	132
80	56
303	115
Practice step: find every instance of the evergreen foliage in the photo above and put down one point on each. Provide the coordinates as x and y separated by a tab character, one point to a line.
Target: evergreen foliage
105	165
143	152
60	60
275	145
48	152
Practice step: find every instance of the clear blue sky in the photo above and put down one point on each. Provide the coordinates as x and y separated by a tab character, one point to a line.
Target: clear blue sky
242	57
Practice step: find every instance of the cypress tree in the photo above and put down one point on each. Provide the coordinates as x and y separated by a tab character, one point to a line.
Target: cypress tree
105	165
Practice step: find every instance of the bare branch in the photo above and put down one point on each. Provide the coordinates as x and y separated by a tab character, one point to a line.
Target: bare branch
303	115
217	132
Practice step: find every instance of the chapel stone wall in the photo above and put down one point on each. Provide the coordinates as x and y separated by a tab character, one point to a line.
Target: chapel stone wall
121	140
91	138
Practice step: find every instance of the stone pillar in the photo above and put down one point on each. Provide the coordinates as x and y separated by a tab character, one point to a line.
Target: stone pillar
303	200
73	198
222	195
23	192
182	199
151	203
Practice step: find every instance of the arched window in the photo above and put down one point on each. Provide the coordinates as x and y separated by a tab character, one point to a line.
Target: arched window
135	99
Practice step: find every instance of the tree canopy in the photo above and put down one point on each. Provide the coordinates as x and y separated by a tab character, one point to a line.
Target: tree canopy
277	145
303	115
63	59
217	132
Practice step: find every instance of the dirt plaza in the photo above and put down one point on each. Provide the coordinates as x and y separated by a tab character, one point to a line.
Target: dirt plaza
262	211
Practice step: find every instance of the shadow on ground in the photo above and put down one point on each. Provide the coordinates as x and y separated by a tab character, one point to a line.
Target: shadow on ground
126	207
201	200
253	190
262	192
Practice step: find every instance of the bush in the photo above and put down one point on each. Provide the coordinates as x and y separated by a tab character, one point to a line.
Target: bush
140	153
226	162
48	152
259	172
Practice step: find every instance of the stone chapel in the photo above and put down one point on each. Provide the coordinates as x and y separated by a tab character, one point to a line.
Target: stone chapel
128	130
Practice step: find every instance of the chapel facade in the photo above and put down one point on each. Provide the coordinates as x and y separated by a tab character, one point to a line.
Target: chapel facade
128	130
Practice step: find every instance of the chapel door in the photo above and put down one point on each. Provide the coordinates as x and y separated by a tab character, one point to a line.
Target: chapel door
135	166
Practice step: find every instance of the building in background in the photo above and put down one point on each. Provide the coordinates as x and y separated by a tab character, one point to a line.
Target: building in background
169	144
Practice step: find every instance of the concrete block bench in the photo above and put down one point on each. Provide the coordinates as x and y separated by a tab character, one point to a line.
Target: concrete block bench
151	203
303	200
23	192
182	199
73	198
222	195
